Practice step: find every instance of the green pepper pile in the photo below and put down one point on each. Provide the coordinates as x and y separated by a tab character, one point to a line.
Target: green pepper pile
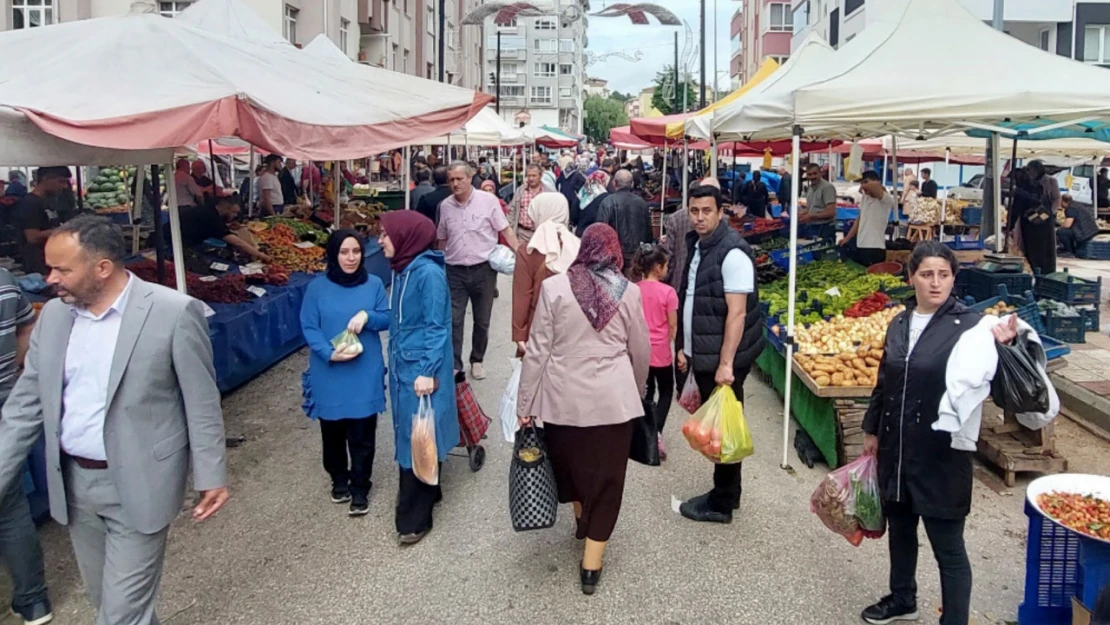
813	282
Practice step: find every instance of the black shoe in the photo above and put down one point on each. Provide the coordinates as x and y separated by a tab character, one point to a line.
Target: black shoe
697	509
359	505
340	495
38	614
589	579
411	539
888	610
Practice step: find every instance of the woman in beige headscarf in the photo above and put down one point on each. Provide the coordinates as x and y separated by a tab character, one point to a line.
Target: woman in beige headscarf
550	251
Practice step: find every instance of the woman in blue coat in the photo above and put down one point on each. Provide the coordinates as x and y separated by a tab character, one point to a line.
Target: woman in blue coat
420	358
345	389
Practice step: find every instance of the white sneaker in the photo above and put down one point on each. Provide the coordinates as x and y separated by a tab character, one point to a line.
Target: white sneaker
477	371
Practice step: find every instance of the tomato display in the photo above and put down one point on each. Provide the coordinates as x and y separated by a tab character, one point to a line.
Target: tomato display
1085	514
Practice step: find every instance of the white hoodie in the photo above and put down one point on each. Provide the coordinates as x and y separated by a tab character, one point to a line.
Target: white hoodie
971	367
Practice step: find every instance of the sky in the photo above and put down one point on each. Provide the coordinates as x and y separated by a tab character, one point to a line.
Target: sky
657	43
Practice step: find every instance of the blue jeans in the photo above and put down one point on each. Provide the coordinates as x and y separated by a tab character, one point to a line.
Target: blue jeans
20	549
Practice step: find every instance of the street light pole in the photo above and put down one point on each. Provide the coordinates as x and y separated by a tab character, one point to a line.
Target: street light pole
497	76
442	43
676	98
702	54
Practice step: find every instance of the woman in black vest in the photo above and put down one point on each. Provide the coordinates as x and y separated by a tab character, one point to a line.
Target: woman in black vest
921	475
720	329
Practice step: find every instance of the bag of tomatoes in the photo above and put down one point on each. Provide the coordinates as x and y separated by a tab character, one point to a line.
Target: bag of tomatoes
718	430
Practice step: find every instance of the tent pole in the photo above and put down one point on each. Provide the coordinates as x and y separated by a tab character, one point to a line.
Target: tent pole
792	282
944	204
894	164
1094	184
663	192
214	174
159	247
996	191
136	206
175	237
406	160
335	193
685	172
713	143
250	185
80	187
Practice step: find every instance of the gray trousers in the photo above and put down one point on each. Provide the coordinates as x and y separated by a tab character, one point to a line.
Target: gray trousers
121	566
20	549
475	284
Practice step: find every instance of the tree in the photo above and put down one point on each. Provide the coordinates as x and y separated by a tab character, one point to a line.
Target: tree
602	115
664	99
620	97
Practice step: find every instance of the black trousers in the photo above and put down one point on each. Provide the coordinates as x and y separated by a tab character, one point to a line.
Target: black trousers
355	438
415	501
661	379
475	284
727	484
869	256
947	539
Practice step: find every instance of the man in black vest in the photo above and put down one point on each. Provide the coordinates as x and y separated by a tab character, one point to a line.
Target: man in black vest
720	330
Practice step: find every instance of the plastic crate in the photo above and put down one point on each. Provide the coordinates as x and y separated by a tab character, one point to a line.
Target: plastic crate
1091	316
1097	250
982	285
1025	304
1067	329
973	215
1051	571
1053	348
782	257
965	243
1071	290
1094	570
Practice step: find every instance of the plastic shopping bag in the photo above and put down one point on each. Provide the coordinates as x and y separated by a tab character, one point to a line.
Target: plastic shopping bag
425	456
690	398
718	429
1018	385
503	260
507	409
848	501
347	341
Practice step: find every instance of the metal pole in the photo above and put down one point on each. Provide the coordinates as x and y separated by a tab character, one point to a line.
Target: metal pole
944	204
991	194
497	76
702	55
685	172
250	187
1094	184
336	211
663	192
997	192
214	175
175	238
442	43
676	98
716	90
713	147
408	169
792	284
156	200
80	187
136	191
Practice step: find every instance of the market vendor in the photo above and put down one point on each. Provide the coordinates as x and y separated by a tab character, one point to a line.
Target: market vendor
1077	228
35	221
820	202
209	221
271	187
869	231
189	192
200	175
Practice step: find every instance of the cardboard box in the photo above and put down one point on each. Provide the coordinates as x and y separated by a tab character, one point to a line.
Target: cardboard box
1080	615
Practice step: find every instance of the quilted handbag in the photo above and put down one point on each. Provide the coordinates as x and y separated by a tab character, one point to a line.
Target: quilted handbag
533	498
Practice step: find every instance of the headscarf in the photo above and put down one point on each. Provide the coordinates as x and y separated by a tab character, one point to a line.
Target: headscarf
551	238
595	276
565	162
597	184
335	272
411	233
491	184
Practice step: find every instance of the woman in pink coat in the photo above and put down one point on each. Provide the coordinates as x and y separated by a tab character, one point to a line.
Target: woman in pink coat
583	376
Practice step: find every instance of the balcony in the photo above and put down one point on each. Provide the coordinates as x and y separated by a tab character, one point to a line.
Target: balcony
508	55
514	77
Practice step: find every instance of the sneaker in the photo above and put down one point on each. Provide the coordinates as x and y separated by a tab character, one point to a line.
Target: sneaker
38	614
477	371
697	509
888	610
340	495
359	505
411	539
662	450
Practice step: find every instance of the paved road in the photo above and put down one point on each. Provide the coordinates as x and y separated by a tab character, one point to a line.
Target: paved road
281	553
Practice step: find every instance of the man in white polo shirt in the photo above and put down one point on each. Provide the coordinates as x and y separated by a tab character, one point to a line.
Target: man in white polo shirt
869	230
469	222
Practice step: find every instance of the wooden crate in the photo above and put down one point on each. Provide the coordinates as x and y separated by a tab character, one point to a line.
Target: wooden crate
1012	448
849	428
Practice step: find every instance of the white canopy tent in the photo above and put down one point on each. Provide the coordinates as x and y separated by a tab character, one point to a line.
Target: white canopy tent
485	128
1074	149
234	19
323	47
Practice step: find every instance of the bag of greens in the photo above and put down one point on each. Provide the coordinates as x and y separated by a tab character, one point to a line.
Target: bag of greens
848	501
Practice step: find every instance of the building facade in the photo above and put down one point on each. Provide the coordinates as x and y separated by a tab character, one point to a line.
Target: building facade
759	29
395	34
543	68
598	87
1078	29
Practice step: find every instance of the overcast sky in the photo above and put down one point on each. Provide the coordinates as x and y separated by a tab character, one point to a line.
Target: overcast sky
657	43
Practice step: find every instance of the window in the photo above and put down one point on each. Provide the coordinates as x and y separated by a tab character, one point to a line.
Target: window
507	67
541	95
850	6
1044	39
289	27
405	67
801	16
431	71
510	25
566	69
781	17
545	24
452	36
406	7
1096	44
543	70
166	9
430	20
395	47
512	91
344	28
33	13
566	92
567	45
834	28
546	46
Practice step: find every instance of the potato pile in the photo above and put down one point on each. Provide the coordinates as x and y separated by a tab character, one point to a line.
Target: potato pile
842	334
848	368
999	309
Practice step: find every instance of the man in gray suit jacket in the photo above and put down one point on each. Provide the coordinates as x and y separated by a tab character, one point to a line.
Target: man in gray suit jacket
119	379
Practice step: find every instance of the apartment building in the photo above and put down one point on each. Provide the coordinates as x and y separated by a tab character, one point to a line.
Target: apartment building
598	87
1078	29
395	34
759	29
543	69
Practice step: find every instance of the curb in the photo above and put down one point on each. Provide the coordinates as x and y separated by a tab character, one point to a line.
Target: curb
1083	403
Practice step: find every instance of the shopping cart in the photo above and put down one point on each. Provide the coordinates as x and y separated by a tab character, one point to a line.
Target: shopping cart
473	423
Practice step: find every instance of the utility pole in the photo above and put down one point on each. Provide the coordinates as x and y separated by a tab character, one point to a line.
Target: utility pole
702	54
716	90
497	76
442	43
676	96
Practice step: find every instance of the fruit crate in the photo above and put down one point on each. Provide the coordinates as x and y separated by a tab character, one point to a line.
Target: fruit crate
982	285
1054	348
1070	290
1051	571
1097	250
1091	316
1094	570
1026	306
972	215
1066	329
965	243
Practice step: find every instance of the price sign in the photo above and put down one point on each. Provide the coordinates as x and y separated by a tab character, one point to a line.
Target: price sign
256	291
304	245
220	266
207	278
247	270
208	312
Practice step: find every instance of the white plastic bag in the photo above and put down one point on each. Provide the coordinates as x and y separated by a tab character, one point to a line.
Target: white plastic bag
422	444
508	402
503	260
854	171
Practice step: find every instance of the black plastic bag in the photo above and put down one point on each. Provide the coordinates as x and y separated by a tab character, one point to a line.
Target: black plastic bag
645	438
1018	385
533	495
